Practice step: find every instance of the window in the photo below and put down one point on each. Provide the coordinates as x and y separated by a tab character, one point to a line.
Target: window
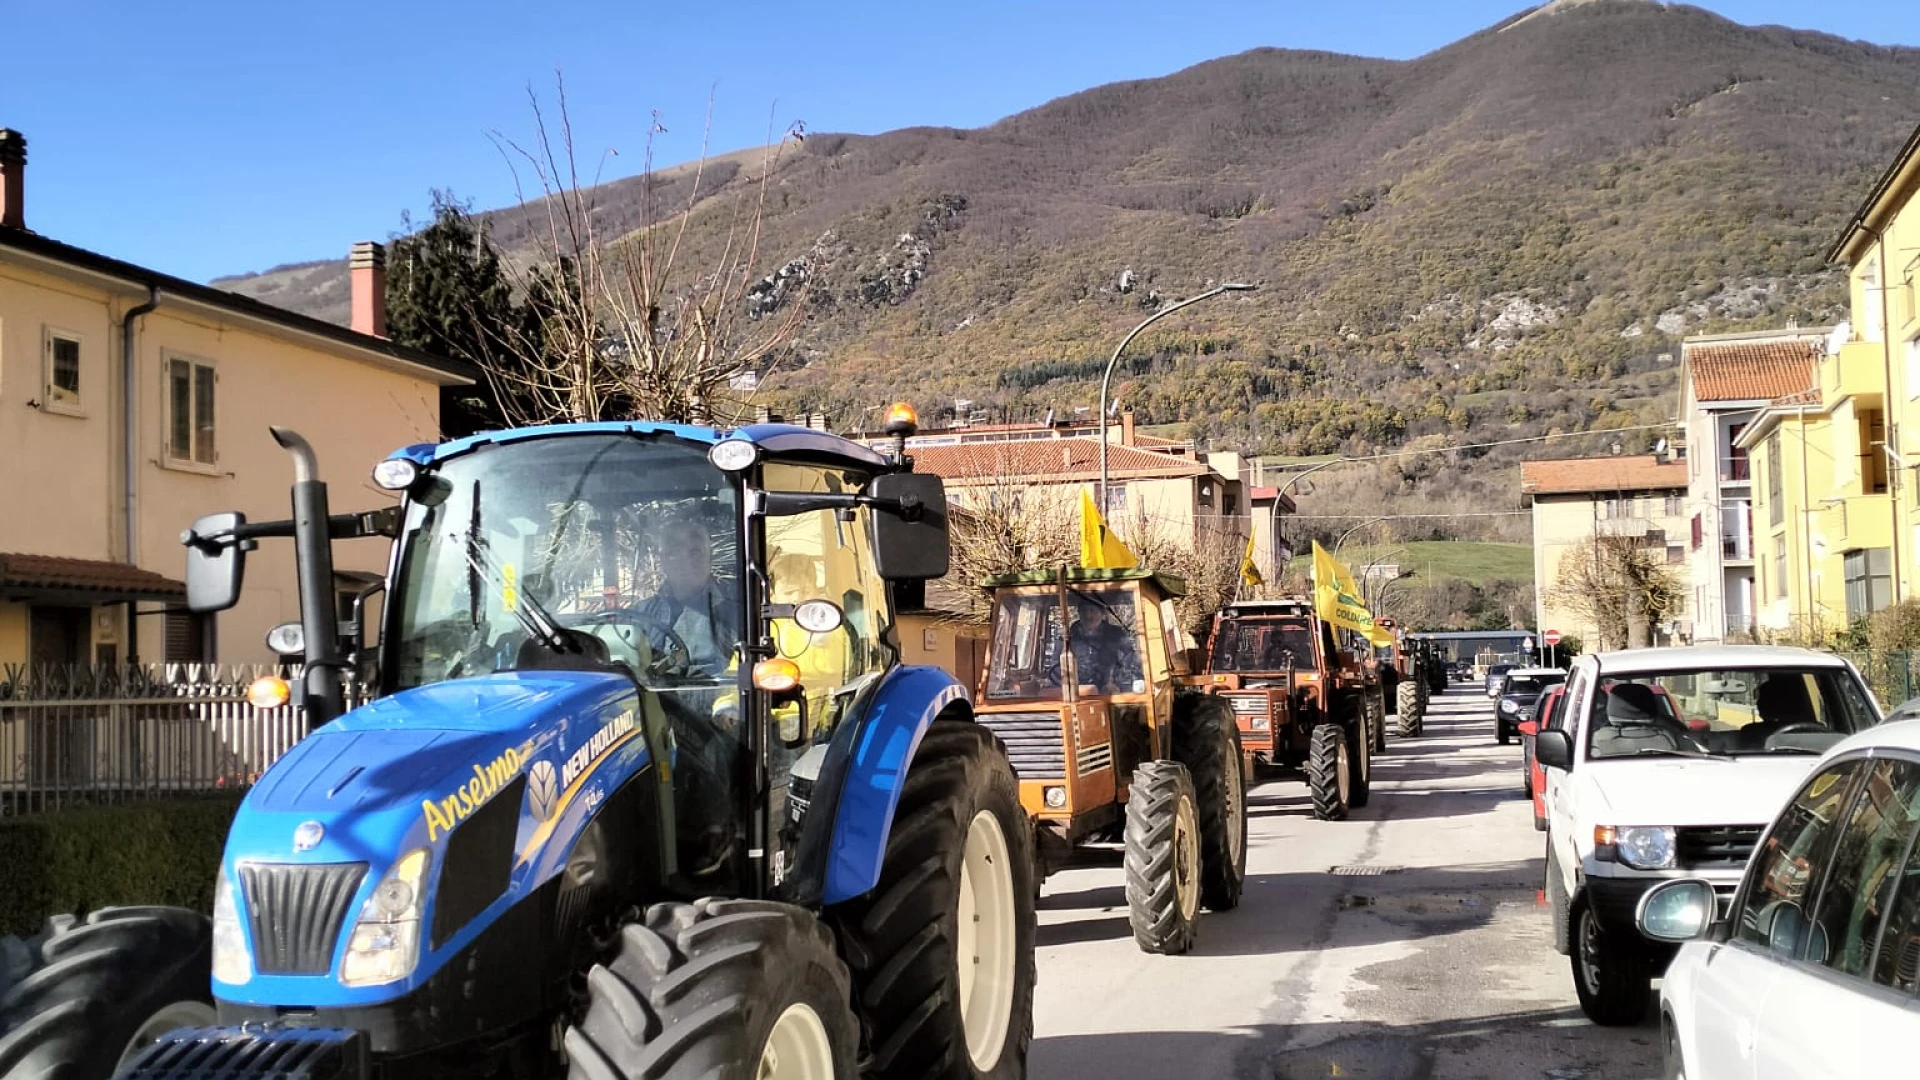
1726	712
1873	455
1116	499
1675	506
190	411
1869	580
1230	505
1206	493
61	389
1676	554
1867	853
1896	955
1785	872
1776	509
1780	566
1699	532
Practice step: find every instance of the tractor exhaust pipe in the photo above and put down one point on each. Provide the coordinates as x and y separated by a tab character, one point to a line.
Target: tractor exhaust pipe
325	696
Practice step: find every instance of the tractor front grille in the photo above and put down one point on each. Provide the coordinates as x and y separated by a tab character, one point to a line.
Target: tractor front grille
1035	744
1709	847
296	912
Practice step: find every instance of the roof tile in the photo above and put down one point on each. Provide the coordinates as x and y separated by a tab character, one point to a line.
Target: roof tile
1751	370
53	572
1056	459
1574	476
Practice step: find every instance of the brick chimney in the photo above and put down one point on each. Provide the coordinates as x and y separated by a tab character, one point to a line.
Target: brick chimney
367	267
1126	428
13	179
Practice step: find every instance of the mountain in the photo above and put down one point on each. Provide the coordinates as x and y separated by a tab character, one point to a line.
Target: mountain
1504	237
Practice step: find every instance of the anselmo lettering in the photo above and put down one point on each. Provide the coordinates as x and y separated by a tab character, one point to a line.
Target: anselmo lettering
449	810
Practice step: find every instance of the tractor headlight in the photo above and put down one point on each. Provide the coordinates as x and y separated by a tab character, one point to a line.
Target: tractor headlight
385	944
1056	797
231	962
1645	847
1260	723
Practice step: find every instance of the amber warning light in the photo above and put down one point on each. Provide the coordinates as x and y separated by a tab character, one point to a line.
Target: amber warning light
902	420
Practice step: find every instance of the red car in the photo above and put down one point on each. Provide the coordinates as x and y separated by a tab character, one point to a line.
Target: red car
1534	781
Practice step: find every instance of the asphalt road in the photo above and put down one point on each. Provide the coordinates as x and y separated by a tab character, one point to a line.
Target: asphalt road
1434	962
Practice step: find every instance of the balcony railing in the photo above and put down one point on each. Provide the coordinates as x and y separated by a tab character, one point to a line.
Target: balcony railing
1738	469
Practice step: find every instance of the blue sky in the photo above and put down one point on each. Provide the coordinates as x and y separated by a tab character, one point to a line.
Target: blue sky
205	138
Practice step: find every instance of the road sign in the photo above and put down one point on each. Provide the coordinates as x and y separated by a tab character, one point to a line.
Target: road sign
1551	637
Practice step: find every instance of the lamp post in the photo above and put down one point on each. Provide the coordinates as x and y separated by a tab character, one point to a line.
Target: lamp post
1355	529
1107	379
1297	477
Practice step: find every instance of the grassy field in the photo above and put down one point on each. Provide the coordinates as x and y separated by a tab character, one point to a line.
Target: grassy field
1471	561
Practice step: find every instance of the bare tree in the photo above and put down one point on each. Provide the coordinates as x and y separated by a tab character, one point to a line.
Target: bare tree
629	326
1620	586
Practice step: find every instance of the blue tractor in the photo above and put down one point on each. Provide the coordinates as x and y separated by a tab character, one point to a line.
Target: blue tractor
640	788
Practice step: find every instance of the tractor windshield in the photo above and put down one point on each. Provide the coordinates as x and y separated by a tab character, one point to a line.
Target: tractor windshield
628	539
1029	642
1262	645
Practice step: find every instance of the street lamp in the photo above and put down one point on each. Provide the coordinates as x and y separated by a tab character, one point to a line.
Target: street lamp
1107	379
1355	529
1297	477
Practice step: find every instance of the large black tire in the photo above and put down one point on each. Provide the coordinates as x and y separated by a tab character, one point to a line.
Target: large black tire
1500	733
1206	739
1611	971
902	940
695	990
1366	729
1329	772
1376	725
1410	709
1163	858
89	994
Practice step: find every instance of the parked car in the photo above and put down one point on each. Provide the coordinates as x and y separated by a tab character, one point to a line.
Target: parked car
1906	710
1535	783
1668	763
1520	698
1813	968
1496	677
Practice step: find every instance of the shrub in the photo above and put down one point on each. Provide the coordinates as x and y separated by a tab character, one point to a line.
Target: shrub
161	852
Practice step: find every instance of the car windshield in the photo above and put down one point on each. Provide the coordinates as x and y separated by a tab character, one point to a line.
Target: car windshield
1262	645
1532	685
1498	670
1726	712
630	540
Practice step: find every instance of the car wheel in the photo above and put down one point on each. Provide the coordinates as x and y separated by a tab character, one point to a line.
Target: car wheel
1609	972
1500	732
1673	1064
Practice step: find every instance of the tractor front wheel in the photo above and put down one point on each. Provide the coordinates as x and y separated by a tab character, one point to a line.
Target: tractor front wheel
722	989
86	997
1163	857
942	948
1329	773
1206	739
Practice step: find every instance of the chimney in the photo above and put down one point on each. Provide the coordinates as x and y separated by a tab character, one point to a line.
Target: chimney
13	179
1126	428
367	267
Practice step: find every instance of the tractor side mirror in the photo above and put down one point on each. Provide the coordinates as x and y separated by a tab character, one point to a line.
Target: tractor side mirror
910	543
216	562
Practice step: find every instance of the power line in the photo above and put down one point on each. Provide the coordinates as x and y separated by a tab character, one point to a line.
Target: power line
1483	445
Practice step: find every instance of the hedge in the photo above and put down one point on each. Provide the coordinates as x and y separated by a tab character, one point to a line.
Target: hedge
161	852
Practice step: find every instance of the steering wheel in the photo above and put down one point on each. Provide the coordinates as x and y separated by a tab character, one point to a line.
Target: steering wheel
1797	726
673	661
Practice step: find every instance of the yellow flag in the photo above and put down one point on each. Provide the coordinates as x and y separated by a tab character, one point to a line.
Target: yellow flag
1336	598
1098	545
1249	570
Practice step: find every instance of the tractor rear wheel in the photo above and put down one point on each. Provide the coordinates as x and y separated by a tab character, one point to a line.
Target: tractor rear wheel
1410	709
1329	773
1206	739
727	989
1360	751
88	995
1376	724
942	949
1163	857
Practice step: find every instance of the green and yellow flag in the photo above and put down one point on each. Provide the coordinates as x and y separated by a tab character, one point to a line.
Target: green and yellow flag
1098	546
1337	599
1249	570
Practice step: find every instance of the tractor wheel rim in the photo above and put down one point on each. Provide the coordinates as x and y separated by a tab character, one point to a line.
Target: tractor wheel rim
797	1048
180	1014
1342	774
1186	859
1236	797
985	941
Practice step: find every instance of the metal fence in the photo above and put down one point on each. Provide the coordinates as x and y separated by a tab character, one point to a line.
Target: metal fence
77	736
1890	675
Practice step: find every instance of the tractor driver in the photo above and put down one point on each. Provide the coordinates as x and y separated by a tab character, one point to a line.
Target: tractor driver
1104	653
691	605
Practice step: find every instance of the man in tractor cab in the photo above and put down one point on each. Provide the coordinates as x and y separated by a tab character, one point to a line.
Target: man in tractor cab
1104	652
691	614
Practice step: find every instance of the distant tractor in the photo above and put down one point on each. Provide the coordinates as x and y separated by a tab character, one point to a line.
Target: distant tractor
1404	681
1300	701
1087	685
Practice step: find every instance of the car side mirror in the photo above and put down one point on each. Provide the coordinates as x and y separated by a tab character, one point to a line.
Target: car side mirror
910	543
1676	911
1554	750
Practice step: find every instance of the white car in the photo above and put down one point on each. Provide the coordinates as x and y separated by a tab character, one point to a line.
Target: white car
1813	969
1668	763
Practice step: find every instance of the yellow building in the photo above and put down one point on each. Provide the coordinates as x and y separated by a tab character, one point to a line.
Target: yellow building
1834	508
132	402
1574	500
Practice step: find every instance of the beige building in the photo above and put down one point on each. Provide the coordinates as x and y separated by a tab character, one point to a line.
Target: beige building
1576	499
132	402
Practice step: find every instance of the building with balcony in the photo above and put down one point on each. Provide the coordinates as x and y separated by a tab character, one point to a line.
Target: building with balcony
1726	380
1577	499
